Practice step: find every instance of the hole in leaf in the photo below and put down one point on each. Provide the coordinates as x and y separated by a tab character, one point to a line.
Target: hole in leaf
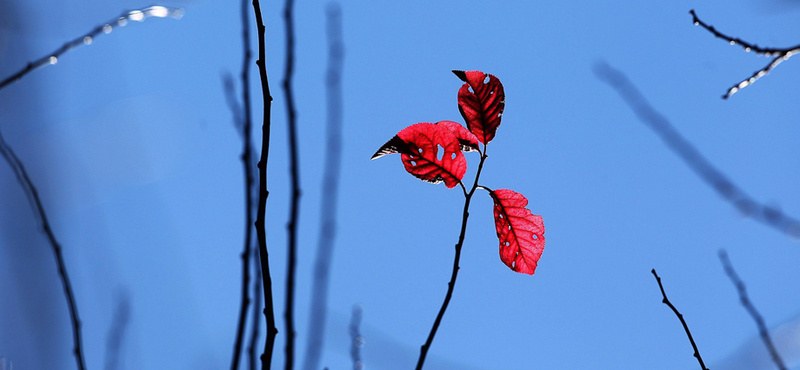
506	244
470	90
486	79
413	163
419	150
535	236
439	152
453	156
509	227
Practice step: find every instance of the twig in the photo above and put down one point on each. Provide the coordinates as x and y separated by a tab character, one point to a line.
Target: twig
117	332
762	327
356	340
244	124
680	317
272	331
251	347
692	157
33	198
451	285
330	191
133	15
291	262
779	54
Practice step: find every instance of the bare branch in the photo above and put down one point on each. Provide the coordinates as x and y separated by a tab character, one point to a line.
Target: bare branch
762	327
272	331
33	198
330	190
680	317
691	156
779	54
291	262
133	15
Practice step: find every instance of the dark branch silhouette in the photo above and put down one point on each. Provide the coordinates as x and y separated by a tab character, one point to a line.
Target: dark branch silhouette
291	262
330	190
680	317
133	15
452	284
38	210
700	165
779	54
762	327
272	331
357	340
244	125
116	334
251	347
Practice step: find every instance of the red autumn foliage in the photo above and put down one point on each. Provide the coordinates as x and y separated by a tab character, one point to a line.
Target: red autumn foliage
481	101
521	233
419	147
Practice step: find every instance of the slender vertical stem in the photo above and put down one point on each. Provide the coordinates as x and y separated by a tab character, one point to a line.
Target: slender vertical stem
291	262
36	203
330	190
247	154
272	331
451	285
251	347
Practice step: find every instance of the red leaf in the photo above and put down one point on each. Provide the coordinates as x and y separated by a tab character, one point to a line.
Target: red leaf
419	147
481	101
468	140
521	233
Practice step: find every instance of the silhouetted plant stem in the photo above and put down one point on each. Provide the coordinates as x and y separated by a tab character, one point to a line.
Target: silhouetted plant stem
692	157
451	285
247	159
291	263
33	198
86	39
762	327
330	191
272	331
251	347
680	317
780	54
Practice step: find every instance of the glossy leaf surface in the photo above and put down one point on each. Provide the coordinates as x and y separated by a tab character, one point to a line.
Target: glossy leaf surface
481	101
430	152
520	232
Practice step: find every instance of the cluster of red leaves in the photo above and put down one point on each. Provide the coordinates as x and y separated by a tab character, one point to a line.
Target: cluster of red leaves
433	152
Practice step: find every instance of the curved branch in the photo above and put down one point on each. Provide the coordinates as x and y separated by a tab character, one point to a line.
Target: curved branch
680	317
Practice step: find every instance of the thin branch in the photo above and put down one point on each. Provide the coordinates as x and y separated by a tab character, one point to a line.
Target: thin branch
272	331
116	334
251	347
244	124
356	339
454	275
779	54
330	190
762	327
133	15
291	262
691	156
680	317
33	198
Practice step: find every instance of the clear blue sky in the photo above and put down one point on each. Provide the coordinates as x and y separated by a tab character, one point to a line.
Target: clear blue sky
133	148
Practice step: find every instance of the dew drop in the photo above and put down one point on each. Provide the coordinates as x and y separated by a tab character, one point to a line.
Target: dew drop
107	28
733	42
53	59
136	15
87	40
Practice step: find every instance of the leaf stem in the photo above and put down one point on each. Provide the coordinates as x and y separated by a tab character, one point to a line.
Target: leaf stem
451	285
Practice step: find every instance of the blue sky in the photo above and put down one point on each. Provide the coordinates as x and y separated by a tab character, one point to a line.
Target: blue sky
133	148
